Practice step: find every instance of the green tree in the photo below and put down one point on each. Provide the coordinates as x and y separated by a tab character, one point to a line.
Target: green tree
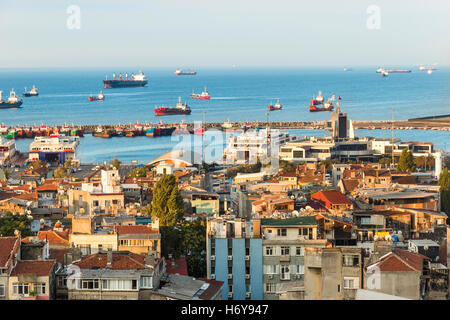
167	203
385	162
429	162
406	162
36	165
194	246
287	166
116	163
60	172
68	164
171	237
421	162
11	222
138	172
444	184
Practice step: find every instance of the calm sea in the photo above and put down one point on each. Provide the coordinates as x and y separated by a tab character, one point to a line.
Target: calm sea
237	95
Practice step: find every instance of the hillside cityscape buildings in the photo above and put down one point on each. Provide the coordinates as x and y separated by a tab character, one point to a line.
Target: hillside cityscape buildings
340	218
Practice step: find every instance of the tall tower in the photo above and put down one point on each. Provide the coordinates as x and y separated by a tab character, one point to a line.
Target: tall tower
339	125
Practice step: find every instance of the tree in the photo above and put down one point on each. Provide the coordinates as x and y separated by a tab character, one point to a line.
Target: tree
167	203
171	237
60	173
11	222
385	162
36	165
194	246
68	164
406	162
288	166
444	184
138	172
116	163
421	162
429	162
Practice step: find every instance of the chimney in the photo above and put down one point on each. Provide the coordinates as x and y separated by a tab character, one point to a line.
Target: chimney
109	257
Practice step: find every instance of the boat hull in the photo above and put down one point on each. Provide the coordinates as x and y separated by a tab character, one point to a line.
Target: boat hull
200	97
169	112
185	73
27	94
96	99
316	109
123	83
6	105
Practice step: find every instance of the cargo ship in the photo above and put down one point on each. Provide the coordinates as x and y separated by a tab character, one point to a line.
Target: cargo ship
100	97
138	80
381	70
318	99
32	93
12	102
203	95
276	106
180	72
328	106
101	132
181	108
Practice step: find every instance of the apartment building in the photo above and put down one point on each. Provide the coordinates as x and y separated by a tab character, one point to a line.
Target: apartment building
234	256
284	242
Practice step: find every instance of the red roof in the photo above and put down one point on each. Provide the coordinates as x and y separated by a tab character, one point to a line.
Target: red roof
177	266
41	268
121	261
402	260
53	237
137	229
331	197
47	187
7	245
58	254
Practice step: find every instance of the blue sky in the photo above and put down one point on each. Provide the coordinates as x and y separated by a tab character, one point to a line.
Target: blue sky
200	33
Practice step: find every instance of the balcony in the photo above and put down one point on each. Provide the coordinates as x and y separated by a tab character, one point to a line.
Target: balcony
285	276
285	258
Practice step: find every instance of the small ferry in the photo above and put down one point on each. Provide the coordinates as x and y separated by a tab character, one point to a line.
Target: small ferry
276	106
180	72
32	93
12	102
100	97
181	108
203	95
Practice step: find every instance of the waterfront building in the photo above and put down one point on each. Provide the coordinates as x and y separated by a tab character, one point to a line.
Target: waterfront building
54	149
234	256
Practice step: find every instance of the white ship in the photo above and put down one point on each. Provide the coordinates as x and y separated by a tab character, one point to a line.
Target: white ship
55	149
7	150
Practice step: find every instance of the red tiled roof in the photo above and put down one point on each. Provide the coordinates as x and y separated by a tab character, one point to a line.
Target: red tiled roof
27	196
350	184
7	245
177	266
136	229
334	197
4	195
40	268
121	261
287	174
47	187
214	287
54	237
402	260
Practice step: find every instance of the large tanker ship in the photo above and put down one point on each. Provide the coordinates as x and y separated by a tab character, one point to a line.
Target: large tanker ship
137	80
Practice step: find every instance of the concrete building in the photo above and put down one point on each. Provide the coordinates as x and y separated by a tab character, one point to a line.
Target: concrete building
333	273
9	255
284	242
234	256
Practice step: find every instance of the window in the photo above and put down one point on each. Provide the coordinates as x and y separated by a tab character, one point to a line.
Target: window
89	284
351	283
21	288
113	284
39	288
284	271
146	282
284	251
2	290
269	251
270	269
230	288
62	282
270	287
282	232
350	260
300	269
365	220
299	251
95	203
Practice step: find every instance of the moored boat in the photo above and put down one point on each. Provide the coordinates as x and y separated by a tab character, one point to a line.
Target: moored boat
32	93
180	108
12	102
